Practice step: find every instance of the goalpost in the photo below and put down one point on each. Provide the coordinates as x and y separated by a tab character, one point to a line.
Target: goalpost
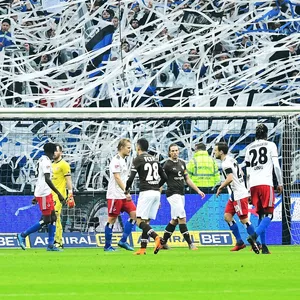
89	137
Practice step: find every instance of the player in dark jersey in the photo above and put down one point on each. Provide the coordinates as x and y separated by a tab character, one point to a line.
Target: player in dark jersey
177	174
151	177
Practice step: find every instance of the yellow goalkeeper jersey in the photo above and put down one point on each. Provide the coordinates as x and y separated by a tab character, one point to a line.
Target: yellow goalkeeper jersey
60	170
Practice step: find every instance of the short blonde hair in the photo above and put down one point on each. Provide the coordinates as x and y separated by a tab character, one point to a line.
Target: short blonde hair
122	143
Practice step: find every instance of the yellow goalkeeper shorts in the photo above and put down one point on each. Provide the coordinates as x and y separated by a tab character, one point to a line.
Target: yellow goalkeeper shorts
58	204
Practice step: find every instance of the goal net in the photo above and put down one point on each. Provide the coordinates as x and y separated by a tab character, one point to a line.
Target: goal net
90	136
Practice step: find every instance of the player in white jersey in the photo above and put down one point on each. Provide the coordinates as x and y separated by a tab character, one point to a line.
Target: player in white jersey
117	201
239	195
261	159
43	197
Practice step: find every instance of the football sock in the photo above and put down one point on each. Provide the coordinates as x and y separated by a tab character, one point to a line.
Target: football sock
51	233
37	226
263	234
127	229
148	229
263	238
144	240
58	232
249	228
108	234
170	228
265	222
184	231
235	230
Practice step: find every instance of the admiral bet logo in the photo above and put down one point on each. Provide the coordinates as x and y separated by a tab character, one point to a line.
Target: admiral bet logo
213	238
199	238
9	240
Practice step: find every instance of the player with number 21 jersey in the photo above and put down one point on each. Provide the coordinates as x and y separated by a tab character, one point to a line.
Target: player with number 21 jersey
238	202
237	188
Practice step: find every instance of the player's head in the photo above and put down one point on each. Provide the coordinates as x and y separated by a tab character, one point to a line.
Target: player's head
124	147
49	149
220	150
200	147
142	145
58	152
173	151
261	132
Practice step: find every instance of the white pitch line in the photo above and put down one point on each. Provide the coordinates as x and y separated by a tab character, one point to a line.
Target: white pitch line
162	293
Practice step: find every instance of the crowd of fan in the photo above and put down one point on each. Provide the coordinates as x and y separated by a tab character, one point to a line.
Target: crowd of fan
190	63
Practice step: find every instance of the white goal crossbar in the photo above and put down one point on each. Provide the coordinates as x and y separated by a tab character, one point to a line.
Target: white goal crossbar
145	112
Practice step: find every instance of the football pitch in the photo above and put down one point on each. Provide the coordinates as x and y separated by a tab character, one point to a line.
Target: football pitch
209	273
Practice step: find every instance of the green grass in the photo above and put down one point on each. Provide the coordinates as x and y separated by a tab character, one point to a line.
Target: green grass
209	273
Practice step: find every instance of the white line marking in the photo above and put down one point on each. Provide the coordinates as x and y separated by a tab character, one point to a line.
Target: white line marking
161	293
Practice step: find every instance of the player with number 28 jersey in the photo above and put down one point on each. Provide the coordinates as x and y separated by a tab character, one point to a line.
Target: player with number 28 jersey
259	157
149	171
151	177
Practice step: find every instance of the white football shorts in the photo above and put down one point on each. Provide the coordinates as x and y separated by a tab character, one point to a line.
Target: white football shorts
148	204
177	203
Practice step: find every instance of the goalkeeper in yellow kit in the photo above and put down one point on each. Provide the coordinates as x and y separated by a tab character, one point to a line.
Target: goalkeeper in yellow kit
61	178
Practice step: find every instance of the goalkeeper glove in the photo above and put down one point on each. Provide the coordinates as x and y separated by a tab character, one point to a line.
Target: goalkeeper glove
34	201
70	201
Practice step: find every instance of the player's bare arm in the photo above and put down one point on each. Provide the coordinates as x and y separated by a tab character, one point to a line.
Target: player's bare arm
69	183
53	188
228	180
278	174
119	181
192	185
121	185
70	199
130	181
